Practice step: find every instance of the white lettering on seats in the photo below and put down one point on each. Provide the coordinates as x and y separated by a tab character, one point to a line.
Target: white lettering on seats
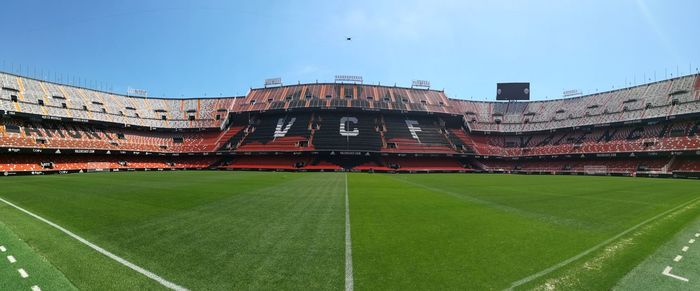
345	126
411	124
281	129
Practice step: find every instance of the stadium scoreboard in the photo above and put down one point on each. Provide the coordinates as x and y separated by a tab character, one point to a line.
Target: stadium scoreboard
513	91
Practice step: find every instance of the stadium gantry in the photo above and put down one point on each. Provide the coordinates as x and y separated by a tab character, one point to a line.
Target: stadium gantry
650	129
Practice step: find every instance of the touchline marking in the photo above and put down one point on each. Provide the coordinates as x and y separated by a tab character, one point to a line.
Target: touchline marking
11	259
677	258
349	282
685	249
594	248
112	256
667	272
36	288
22	273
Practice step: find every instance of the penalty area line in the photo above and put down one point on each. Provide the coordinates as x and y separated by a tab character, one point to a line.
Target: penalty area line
100	250
667	272
349	281
596	247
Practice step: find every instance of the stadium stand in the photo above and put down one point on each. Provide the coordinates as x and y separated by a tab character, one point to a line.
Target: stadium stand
640	137
412	134
347	131
279	133
266	162
686	165
586	165
415	164
649	128
68	135
28	162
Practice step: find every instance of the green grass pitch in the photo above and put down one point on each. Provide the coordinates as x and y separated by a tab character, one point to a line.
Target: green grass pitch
217	230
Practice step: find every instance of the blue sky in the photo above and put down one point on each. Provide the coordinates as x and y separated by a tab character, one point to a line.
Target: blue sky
192	48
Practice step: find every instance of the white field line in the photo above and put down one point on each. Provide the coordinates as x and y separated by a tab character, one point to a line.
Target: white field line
677	258
36	288
596	247
349	282
22	273
11	259
685	249
667	272
3	249
100	250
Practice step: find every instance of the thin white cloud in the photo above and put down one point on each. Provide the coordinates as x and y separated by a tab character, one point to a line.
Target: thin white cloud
410	20
658	30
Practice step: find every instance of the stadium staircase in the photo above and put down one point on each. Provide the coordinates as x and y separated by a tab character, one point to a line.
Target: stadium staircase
460	137
312	128
237	138
666	168
455	143
382	131
226	136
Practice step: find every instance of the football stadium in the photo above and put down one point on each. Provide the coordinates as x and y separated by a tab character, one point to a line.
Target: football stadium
341	183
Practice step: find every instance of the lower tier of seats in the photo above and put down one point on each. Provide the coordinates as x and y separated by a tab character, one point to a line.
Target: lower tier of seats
10	162
29	162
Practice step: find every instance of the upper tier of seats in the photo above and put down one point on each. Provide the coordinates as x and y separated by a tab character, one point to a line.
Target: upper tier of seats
31	96
345	96
64	135
676	96
681	135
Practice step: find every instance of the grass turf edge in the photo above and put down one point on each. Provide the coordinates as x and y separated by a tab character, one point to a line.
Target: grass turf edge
42	273
603	268
83	267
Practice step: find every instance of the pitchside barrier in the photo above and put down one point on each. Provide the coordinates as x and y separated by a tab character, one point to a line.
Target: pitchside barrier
595	170
98	167
683	175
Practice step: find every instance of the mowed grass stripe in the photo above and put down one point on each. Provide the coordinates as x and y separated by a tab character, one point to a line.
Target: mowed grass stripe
407	237
249	231
645	198
582	201
266	230
647	275
505	228
42	272
596	247
99	249
287	236
81	266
